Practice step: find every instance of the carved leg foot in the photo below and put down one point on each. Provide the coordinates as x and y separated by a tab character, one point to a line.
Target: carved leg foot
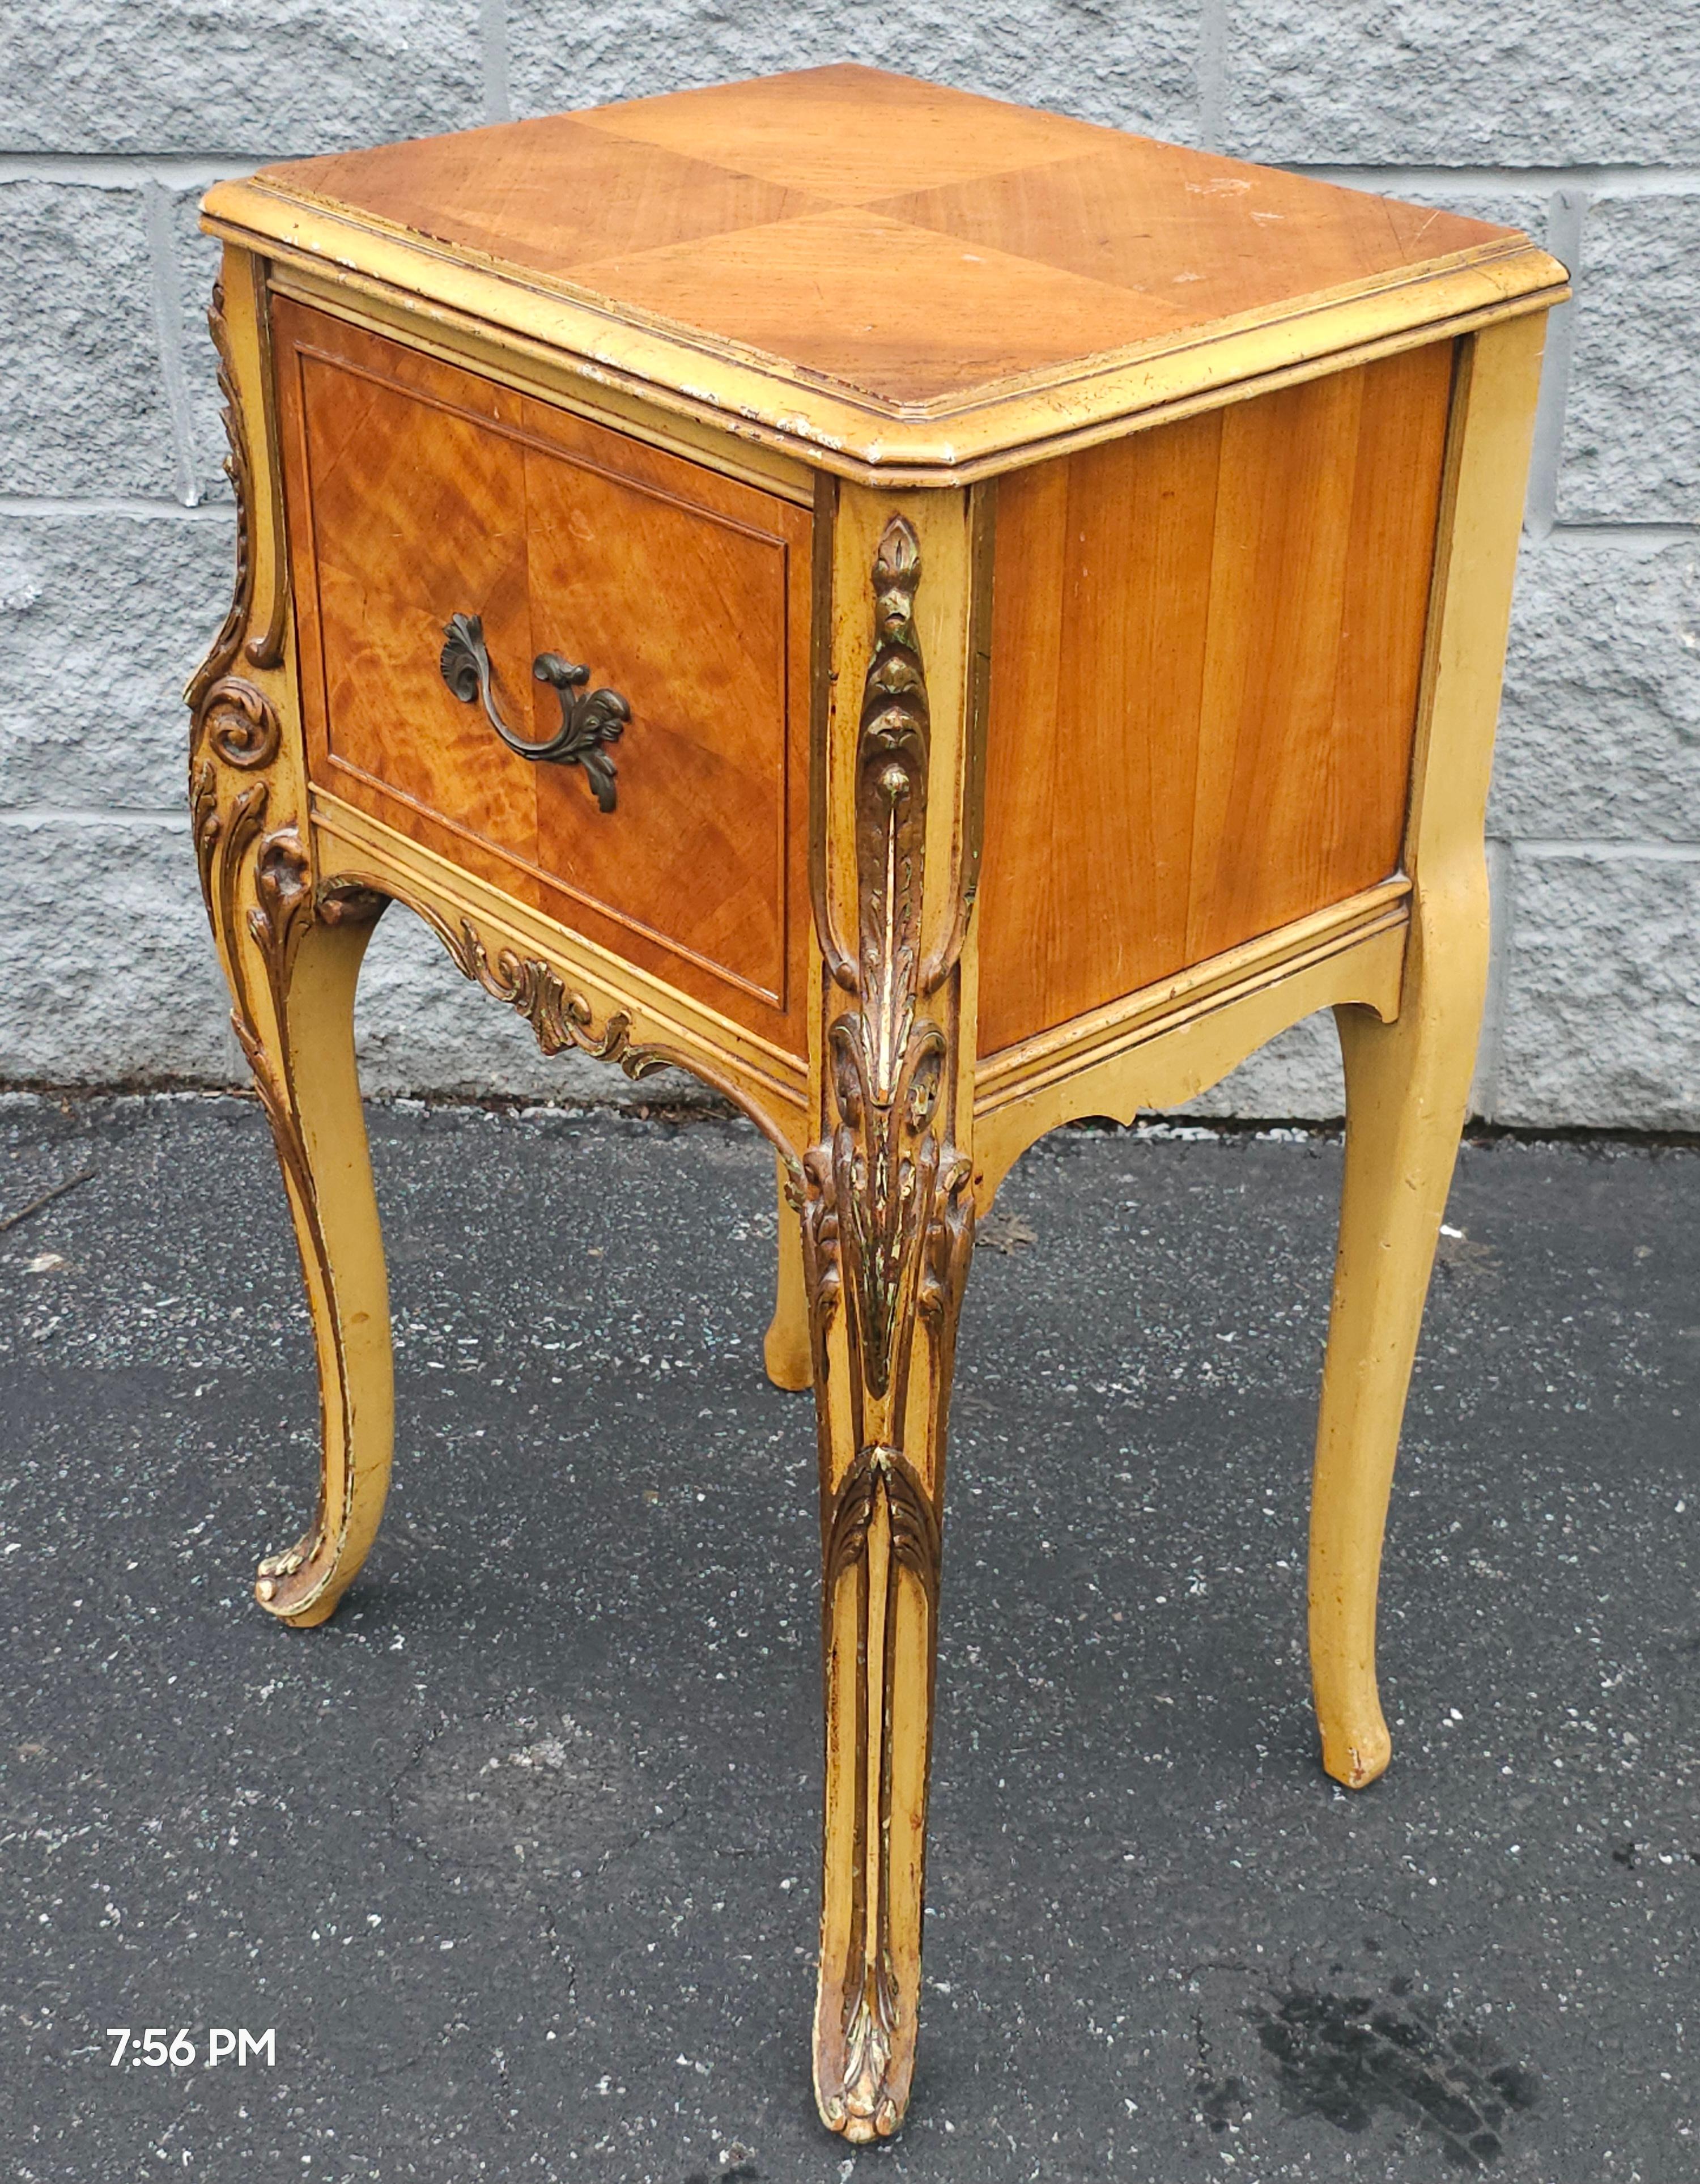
882	1579
786	1347
888	1228
321	1143
1407	1088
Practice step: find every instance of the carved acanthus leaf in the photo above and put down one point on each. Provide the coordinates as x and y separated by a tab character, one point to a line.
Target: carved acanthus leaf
887	1209
888	1226
560	1018
228	643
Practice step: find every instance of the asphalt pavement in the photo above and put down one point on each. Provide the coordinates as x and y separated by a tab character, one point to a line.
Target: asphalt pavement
515	1858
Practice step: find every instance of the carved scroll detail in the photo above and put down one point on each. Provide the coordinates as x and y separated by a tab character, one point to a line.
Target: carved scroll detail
234	713
878	1187
228	643
560	1019
282	911
888	1220
238	721
235	724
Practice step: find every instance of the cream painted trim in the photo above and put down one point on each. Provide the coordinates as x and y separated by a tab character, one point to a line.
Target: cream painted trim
543	374
1469	614
751	1069
1190	1050
1407	1083
822	423
1085	1041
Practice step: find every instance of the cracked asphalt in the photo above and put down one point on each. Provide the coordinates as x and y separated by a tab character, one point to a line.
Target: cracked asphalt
516	1857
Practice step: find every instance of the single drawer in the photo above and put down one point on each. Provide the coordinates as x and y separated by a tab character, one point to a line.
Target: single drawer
419	492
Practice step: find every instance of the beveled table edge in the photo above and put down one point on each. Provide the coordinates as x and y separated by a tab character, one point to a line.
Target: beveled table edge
999	425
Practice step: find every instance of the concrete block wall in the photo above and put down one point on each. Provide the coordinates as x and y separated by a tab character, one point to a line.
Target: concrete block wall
1579	119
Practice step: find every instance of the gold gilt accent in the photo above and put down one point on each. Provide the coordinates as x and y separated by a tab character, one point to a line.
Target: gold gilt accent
235	724
232	715
888	1224
863	2106
279	913
885	1193
560	1018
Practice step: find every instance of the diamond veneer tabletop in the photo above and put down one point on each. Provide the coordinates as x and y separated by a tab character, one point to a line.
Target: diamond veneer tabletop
904	245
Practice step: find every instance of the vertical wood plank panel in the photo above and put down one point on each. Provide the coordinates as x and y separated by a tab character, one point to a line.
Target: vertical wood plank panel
1201	717
1272	654
1028	800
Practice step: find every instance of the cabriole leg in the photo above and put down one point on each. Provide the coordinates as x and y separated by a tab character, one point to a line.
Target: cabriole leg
1407	1083
887	1232
888	1240
290	955
1407	1088
321	1146
291	968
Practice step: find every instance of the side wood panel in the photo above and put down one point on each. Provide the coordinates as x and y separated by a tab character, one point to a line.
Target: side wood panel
1207	641
417	490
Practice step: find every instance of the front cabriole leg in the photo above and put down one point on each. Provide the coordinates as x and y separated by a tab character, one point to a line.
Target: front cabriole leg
293	963
887	1229
291	952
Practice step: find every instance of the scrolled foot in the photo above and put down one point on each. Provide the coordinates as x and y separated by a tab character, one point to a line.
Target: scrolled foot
299	1586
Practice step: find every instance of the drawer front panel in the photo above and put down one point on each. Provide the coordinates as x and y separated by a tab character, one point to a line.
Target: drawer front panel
418	491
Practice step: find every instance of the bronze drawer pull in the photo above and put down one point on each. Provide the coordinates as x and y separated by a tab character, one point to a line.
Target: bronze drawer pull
589	720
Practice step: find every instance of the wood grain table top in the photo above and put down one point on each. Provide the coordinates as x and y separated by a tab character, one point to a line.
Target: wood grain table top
891	270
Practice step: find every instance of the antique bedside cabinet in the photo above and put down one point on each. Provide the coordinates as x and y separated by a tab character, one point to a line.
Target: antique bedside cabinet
939	619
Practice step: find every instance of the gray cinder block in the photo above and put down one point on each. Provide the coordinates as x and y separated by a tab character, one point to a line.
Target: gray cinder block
1601	1019
107	968
86	411
1599	733
1133	67
102	617
291	77
1632	427
1443	83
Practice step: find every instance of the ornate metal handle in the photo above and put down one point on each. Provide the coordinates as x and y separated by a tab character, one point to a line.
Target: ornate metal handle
589	720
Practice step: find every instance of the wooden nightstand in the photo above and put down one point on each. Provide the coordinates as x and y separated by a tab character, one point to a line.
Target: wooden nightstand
936	617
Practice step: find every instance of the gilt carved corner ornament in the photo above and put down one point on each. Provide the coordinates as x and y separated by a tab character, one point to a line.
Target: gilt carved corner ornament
232	717
888	1222
224	833
235	725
